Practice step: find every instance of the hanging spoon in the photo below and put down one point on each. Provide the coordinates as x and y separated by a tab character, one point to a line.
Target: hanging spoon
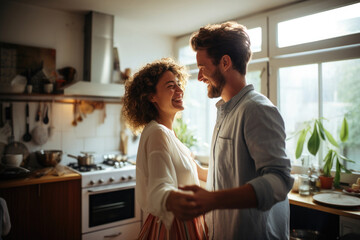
46	118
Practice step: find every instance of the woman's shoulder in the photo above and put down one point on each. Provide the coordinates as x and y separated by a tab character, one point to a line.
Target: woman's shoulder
154	128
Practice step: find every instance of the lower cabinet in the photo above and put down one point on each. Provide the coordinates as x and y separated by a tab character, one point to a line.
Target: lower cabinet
123	232
44	211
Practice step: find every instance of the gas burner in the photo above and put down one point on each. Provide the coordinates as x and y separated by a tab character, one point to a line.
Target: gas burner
115	163
85	168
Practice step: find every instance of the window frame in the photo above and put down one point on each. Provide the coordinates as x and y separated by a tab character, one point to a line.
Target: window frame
301	10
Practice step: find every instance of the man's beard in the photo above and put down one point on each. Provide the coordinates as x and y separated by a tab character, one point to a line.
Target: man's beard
219	79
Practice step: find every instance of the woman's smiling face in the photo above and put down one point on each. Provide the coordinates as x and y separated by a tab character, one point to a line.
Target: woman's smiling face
169	95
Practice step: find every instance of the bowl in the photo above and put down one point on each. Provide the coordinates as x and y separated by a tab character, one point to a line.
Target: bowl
13	160
48	158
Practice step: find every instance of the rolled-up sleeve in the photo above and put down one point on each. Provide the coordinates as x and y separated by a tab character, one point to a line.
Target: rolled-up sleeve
161	182
265	138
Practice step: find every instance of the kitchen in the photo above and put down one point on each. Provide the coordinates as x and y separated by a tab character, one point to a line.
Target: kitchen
63	31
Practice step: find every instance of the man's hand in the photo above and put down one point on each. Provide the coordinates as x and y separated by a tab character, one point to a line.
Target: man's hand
204	200
182	205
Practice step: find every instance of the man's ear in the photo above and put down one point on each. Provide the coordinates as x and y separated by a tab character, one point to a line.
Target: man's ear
226	62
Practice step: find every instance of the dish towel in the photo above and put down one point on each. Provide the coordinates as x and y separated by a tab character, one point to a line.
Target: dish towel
5	224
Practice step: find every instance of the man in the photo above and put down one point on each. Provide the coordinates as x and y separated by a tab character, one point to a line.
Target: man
249	173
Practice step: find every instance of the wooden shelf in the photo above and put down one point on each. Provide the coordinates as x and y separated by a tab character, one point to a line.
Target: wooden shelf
35	97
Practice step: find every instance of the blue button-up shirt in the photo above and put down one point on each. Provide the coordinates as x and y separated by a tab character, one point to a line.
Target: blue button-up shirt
248	146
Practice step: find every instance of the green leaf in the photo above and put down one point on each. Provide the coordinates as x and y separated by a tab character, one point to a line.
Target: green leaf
346	159
300	143
344	132
328	163
330	138
314	141
337	173
321	129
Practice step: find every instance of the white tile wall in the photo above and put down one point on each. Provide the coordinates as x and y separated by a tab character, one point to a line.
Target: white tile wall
94	133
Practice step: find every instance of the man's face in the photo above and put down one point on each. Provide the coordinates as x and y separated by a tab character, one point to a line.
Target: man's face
210	74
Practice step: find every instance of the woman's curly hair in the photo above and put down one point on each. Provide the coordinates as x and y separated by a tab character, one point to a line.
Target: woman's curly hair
137	109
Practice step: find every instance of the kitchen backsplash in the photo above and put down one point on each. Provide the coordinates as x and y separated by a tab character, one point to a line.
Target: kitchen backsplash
98	132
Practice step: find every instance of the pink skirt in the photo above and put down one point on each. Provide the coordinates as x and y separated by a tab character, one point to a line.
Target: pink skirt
154	229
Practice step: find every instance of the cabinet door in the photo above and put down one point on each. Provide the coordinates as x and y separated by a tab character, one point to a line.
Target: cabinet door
60	210
44	211
22	207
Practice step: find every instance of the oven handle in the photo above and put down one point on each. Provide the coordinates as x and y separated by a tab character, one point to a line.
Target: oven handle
108	189
113	235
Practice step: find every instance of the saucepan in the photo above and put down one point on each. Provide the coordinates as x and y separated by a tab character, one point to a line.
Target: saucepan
88	159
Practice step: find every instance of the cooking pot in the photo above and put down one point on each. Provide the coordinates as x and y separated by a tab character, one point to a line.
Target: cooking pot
48	158
88	159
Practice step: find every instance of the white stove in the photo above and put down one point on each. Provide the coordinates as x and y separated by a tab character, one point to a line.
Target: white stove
109	209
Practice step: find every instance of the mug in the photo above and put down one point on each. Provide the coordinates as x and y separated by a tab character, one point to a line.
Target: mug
13	160
48	87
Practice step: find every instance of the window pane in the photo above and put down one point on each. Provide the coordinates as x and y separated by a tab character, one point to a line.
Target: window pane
298	93
329	24
255	38
186	55
254	78
341	87
199	114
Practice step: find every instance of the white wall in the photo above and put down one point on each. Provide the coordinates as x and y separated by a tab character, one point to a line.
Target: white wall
40	27
138	48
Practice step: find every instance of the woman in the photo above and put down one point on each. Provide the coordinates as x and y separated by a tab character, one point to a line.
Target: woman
151	101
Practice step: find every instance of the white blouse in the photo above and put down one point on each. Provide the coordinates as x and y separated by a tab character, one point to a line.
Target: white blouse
163	163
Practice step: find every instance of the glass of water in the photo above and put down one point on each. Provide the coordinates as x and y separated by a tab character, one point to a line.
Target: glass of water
304	185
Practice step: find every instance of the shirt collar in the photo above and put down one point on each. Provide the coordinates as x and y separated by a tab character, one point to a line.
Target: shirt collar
228	106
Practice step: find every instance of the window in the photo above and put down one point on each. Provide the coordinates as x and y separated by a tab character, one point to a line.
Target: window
304	67
321	83
328	24
333	96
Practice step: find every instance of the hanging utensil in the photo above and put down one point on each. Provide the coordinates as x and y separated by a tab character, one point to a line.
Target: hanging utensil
39	133
38	113
27	136
74	123
1	116
51	127
46	117
8	113
14	147
79	119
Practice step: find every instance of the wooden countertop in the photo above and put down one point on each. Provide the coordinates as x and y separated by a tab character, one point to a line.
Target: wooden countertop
307	201
45	175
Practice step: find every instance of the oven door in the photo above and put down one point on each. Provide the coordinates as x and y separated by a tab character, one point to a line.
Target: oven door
109	206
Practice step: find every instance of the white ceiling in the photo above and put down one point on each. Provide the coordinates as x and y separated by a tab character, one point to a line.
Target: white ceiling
167	17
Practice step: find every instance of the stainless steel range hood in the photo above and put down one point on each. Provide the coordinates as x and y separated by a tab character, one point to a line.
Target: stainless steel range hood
98	59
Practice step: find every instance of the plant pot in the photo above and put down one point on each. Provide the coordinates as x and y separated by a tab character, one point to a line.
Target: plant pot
326	182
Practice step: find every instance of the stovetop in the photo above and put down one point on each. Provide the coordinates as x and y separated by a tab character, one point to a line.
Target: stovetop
109	163
106	171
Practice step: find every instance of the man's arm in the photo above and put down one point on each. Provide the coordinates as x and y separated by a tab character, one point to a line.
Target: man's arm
205	201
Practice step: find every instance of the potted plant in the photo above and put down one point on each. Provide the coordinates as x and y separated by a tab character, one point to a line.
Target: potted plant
319	135
183	133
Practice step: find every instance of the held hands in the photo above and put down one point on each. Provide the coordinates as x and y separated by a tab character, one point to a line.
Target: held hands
186	206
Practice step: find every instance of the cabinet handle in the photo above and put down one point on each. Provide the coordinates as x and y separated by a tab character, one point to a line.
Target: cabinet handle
112	235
